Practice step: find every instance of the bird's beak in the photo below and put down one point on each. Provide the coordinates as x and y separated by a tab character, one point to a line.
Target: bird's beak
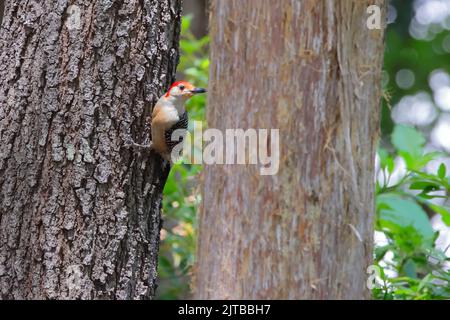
198	90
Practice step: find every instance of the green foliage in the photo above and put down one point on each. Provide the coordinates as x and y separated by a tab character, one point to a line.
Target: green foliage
402	215
181	197
396	214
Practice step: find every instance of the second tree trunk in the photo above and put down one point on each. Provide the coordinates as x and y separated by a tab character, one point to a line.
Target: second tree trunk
311	69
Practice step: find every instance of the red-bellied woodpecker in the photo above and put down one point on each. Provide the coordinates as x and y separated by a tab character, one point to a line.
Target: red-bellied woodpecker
169	114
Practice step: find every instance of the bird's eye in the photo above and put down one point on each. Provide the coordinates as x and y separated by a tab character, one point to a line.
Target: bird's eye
181	87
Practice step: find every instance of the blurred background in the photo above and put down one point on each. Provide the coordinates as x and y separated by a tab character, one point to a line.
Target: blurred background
413	216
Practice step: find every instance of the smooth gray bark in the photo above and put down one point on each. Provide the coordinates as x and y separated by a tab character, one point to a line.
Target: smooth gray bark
79	213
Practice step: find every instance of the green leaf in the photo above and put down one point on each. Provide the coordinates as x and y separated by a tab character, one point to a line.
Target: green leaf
443	211
425	159
400	215
188	47
408	140
442	172
380	252
164	262
424	281
427	186
204	64
416	162
410	269
186	23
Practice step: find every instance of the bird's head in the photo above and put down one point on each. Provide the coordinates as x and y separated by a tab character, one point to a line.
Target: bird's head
183	90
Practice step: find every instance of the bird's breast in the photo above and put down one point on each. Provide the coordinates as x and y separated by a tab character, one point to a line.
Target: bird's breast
171	114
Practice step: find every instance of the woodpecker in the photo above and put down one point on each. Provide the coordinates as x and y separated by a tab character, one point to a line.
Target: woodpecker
169	114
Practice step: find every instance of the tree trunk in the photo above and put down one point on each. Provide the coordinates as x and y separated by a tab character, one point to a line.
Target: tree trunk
80	213
311	69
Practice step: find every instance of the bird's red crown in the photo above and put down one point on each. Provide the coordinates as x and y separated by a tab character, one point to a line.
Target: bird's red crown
176	84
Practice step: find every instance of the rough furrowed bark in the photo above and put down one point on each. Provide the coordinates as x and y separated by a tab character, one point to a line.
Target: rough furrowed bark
79	213
311	69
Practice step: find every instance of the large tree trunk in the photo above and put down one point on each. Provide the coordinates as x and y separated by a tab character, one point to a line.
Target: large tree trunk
311	69
79	213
